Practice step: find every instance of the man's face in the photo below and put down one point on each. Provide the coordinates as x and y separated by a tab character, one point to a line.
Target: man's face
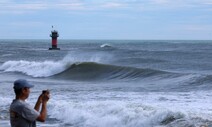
26	92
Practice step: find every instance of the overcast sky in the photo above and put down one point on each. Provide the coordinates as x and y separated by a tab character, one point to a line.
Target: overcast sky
106	19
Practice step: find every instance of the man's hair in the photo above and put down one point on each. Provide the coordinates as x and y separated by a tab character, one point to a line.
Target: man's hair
17	91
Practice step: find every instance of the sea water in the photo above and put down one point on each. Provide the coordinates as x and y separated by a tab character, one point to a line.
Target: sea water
112	83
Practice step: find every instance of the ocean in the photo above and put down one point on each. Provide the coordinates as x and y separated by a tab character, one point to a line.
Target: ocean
112	83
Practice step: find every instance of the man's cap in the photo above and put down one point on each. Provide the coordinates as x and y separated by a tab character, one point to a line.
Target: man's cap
22	83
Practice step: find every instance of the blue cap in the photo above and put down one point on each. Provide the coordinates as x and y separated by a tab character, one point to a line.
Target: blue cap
22	83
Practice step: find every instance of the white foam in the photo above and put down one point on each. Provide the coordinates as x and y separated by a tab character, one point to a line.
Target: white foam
101	114
105	46
33	68
117	109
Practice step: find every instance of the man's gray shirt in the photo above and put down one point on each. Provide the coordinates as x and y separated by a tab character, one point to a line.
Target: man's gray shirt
22	114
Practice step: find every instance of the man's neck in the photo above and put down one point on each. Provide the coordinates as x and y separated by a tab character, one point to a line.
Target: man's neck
20	98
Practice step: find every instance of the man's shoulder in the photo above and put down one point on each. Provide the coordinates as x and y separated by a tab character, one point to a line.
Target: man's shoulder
18	105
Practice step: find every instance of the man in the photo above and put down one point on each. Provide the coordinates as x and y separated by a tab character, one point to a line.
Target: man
21	113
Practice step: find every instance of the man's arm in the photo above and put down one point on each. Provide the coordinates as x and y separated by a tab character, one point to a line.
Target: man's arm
43	113
39	101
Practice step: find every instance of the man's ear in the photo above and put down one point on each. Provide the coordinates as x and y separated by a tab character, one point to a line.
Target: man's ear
24	90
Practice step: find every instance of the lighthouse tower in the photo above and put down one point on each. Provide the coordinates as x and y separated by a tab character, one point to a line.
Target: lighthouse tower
54	34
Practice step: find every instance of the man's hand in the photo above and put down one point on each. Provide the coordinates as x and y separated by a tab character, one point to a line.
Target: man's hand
45	96
43	113
40	98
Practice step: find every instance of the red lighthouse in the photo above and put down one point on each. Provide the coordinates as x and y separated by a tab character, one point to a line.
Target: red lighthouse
54	34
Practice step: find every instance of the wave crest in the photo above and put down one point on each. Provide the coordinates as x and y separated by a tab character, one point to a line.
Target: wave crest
32	68
106	46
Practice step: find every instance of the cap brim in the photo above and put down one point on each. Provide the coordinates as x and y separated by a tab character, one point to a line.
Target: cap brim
31	86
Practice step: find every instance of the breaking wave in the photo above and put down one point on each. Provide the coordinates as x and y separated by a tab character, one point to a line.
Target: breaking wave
77	71
32	68
93	69
96	71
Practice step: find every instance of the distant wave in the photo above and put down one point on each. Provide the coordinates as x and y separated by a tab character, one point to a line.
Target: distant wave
106	46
